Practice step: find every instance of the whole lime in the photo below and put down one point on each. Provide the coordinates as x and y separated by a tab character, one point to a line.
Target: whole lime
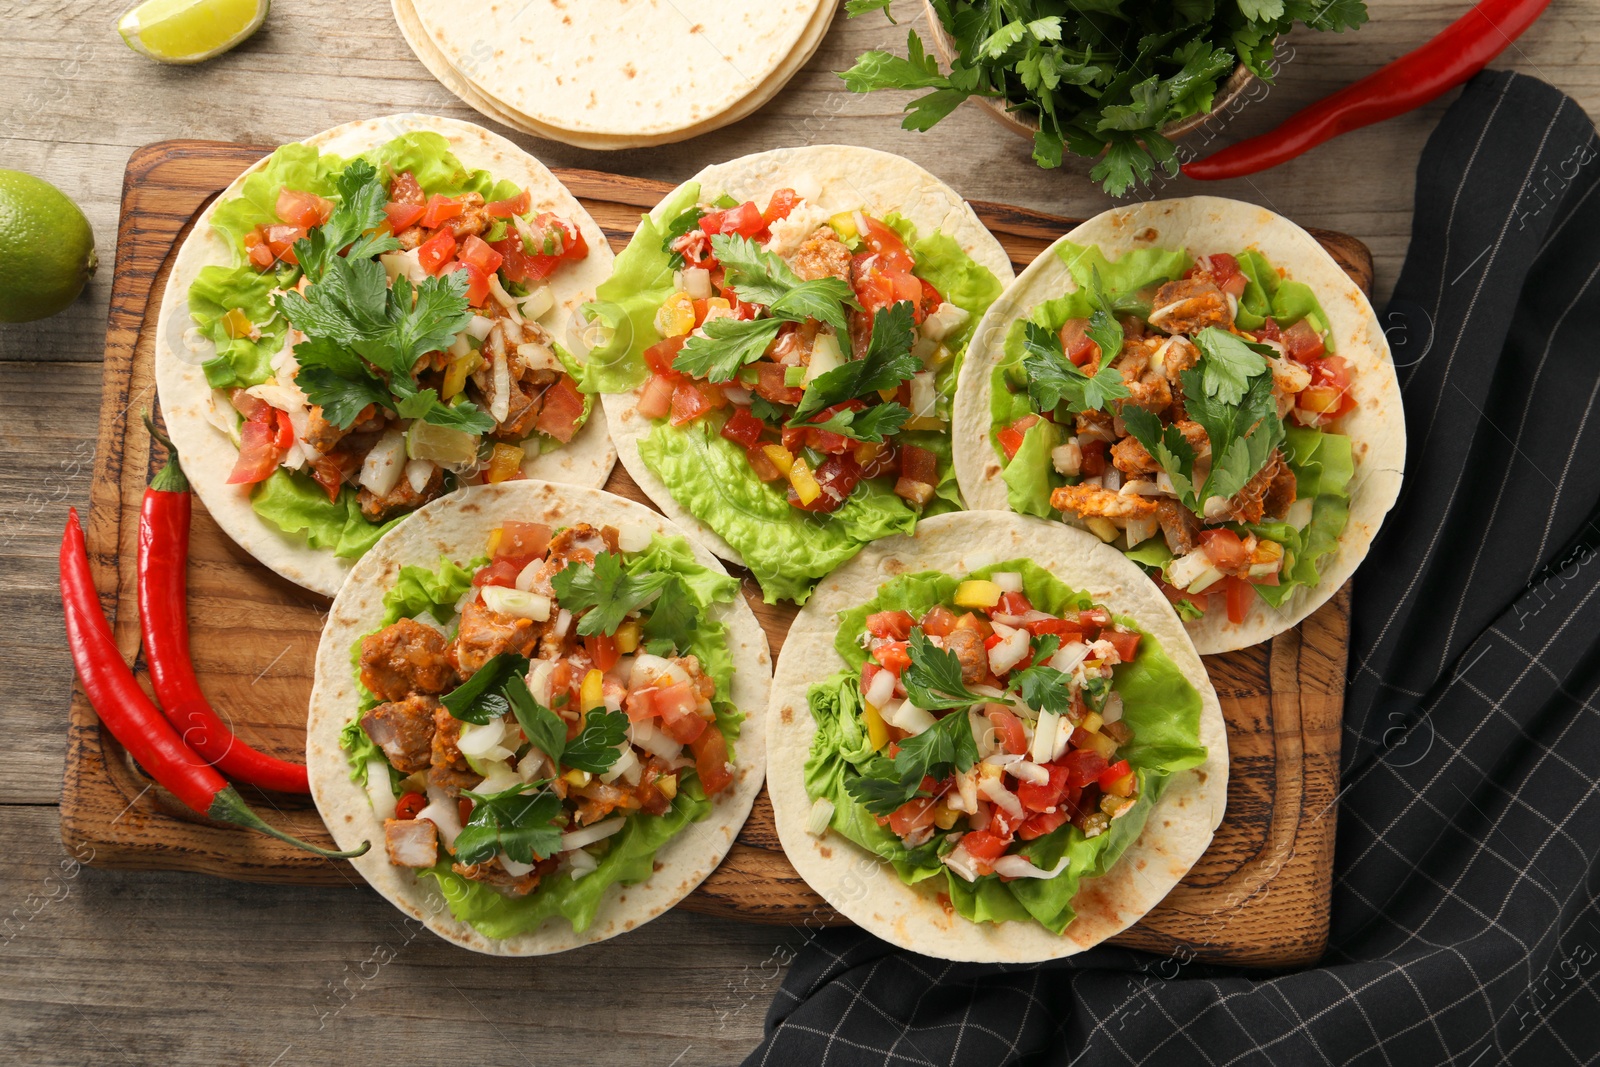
46	248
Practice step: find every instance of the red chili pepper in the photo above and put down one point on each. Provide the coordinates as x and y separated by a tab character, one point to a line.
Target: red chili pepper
164	621
129	714
1461	50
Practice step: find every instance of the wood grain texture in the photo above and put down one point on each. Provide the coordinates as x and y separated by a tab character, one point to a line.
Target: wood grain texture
1259	896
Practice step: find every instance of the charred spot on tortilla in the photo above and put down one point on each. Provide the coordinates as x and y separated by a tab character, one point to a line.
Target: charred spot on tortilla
825	852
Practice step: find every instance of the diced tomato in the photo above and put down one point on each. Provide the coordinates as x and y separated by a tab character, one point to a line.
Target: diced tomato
691	400
1114	773
408	806
1240	597
887	246
304	210
1009	729
281	239
477	282
502	570
877	458
874	290
440	210
1040	823
1094	618
1225	550
1012	436
602	650
792	438
1269	331
762	464
463	809
523	539
770	384
504	209
1126	644
745	220
894	656
985	847
260	449
1083	766
838	476
1012	604
711	761
405	189
1076	344
1093	463
255	246
892	624
435	252
1040	796
915	814
640	704
676	701
1302	342
919	465
931	299
563	407
402	216
1226	275
476	251
659	356
1060	627
782	202
939	621
743	428
655	398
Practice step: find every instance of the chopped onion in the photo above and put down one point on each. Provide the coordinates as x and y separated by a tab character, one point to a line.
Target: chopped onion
537	357
1008	581
1186	570
966	790
588	835
880	690
563	623
478	739
1217	508
1067	459
382	468
1300	512
1028	772
529	575
1112	478
634	537
1044	737
697	283
444	813
1069	656
646	669
407	263
911	719
461	346
378	790
626	761
1010	651
503	298
500	406
820	818
1002	759
736	393
1138	531
1020	867
516	603
960	860
426	618
580	863
946	320
1005	799
537	304
418	473
1164	484
539	681
1112	712
513	867
479	327
656	742
512	332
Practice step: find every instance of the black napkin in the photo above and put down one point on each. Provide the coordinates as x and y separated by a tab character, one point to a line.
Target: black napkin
1464	919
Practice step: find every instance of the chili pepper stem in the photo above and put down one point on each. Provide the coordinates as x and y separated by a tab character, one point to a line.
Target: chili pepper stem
229	806
170	478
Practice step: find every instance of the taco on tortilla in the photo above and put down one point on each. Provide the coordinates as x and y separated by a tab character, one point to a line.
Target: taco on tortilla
1014	744
785	332
547	703
369	319
1199	384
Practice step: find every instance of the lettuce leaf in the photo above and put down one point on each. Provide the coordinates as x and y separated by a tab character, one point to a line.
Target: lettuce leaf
427	156
1133	270
1031	475
1159	704
1323	467
240	362
1266	293
293	166
297	505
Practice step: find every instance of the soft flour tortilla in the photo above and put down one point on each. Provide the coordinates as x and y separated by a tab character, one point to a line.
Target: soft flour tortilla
866	890
457	526
1203	224
186	397
842	177
428	54
623	73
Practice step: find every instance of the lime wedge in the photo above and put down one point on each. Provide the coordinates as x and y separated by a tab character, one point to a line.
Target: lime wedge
190	31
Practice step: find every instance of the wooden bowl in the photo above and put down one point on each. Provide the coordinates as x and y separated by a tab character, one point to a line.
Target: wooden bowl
1022	126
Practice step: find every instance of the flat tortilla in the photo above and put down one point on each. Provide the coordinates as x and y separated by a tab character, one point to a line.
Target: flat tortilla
186	396
1203	224
457	526
842	178
867	891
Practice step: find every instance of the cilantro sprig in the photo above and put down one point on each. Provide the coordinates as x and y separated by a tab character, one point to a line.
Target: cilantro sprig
604	593
870	424
888	362
520	821
948	745
933	678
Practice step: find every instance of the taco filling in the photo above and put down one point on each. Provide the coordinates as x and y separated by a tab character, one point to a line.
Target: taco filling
538	722
798	368
378	340
1187	412
999	729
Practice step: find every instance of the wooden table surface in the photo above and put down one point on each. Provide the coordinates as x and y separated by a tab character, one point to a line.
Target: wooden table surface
112	967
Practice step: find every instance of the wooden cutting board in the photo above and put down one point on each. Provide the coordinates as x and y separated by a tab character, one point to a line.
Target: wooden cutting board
1259	896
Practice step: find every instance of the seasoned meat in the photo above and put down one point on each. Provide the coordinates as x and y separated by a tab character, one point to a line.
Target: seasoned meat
1130	457
411	237
401	499
1177	356
403	658
484	634
1249	504
321	434
582	543
1088	501
404	730
793	345
1189	305
1195	434
324	436
967	646
1095	424
822	255
1179	526
473	219
1151	392
527	399
490	872
449	769
411	842
1280	493
1133	360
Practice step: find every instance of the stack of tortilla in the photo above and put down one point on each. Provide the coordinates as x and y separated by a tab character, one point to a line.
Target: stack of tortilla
612	74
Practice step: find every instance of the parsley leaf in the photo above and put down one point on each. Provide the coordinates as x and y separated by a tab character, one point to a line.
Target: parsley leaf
933	679
1045	689
887	363
604	593
482	697
543	728
766	410
718	349
1168	447
595	748
1053	379
885	70
946	746
673	620
686	222
871	424
762	277
1242	435
362	195
1104	329
823	299
1230	363
520	823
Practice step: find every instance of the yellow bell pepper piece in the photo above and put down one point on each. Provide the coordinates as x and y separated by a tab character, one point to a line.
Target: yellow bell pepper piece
1102	744
1102	528
455	375
589	694
577	777
844	224
977	594
805	484
627	636
877	730
781	457
668	784
237	323
1091	722
505	463
676	316
944	817
1122	787
494	541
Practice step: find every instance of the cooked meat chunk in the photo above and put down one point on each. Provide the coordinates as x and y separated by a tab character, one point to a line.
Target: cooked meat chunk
967	646
1133	360
324	436
794	345
1177	356
1189	305
1095	424
1130	457
473	220
411	842
1088	501
411	237
1179	526
449	769
1281	492
1249	504
581	542
1195	434
822	255
321	434
401	499
490	872
527	400
484	634
404	730
1151	392
403	658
